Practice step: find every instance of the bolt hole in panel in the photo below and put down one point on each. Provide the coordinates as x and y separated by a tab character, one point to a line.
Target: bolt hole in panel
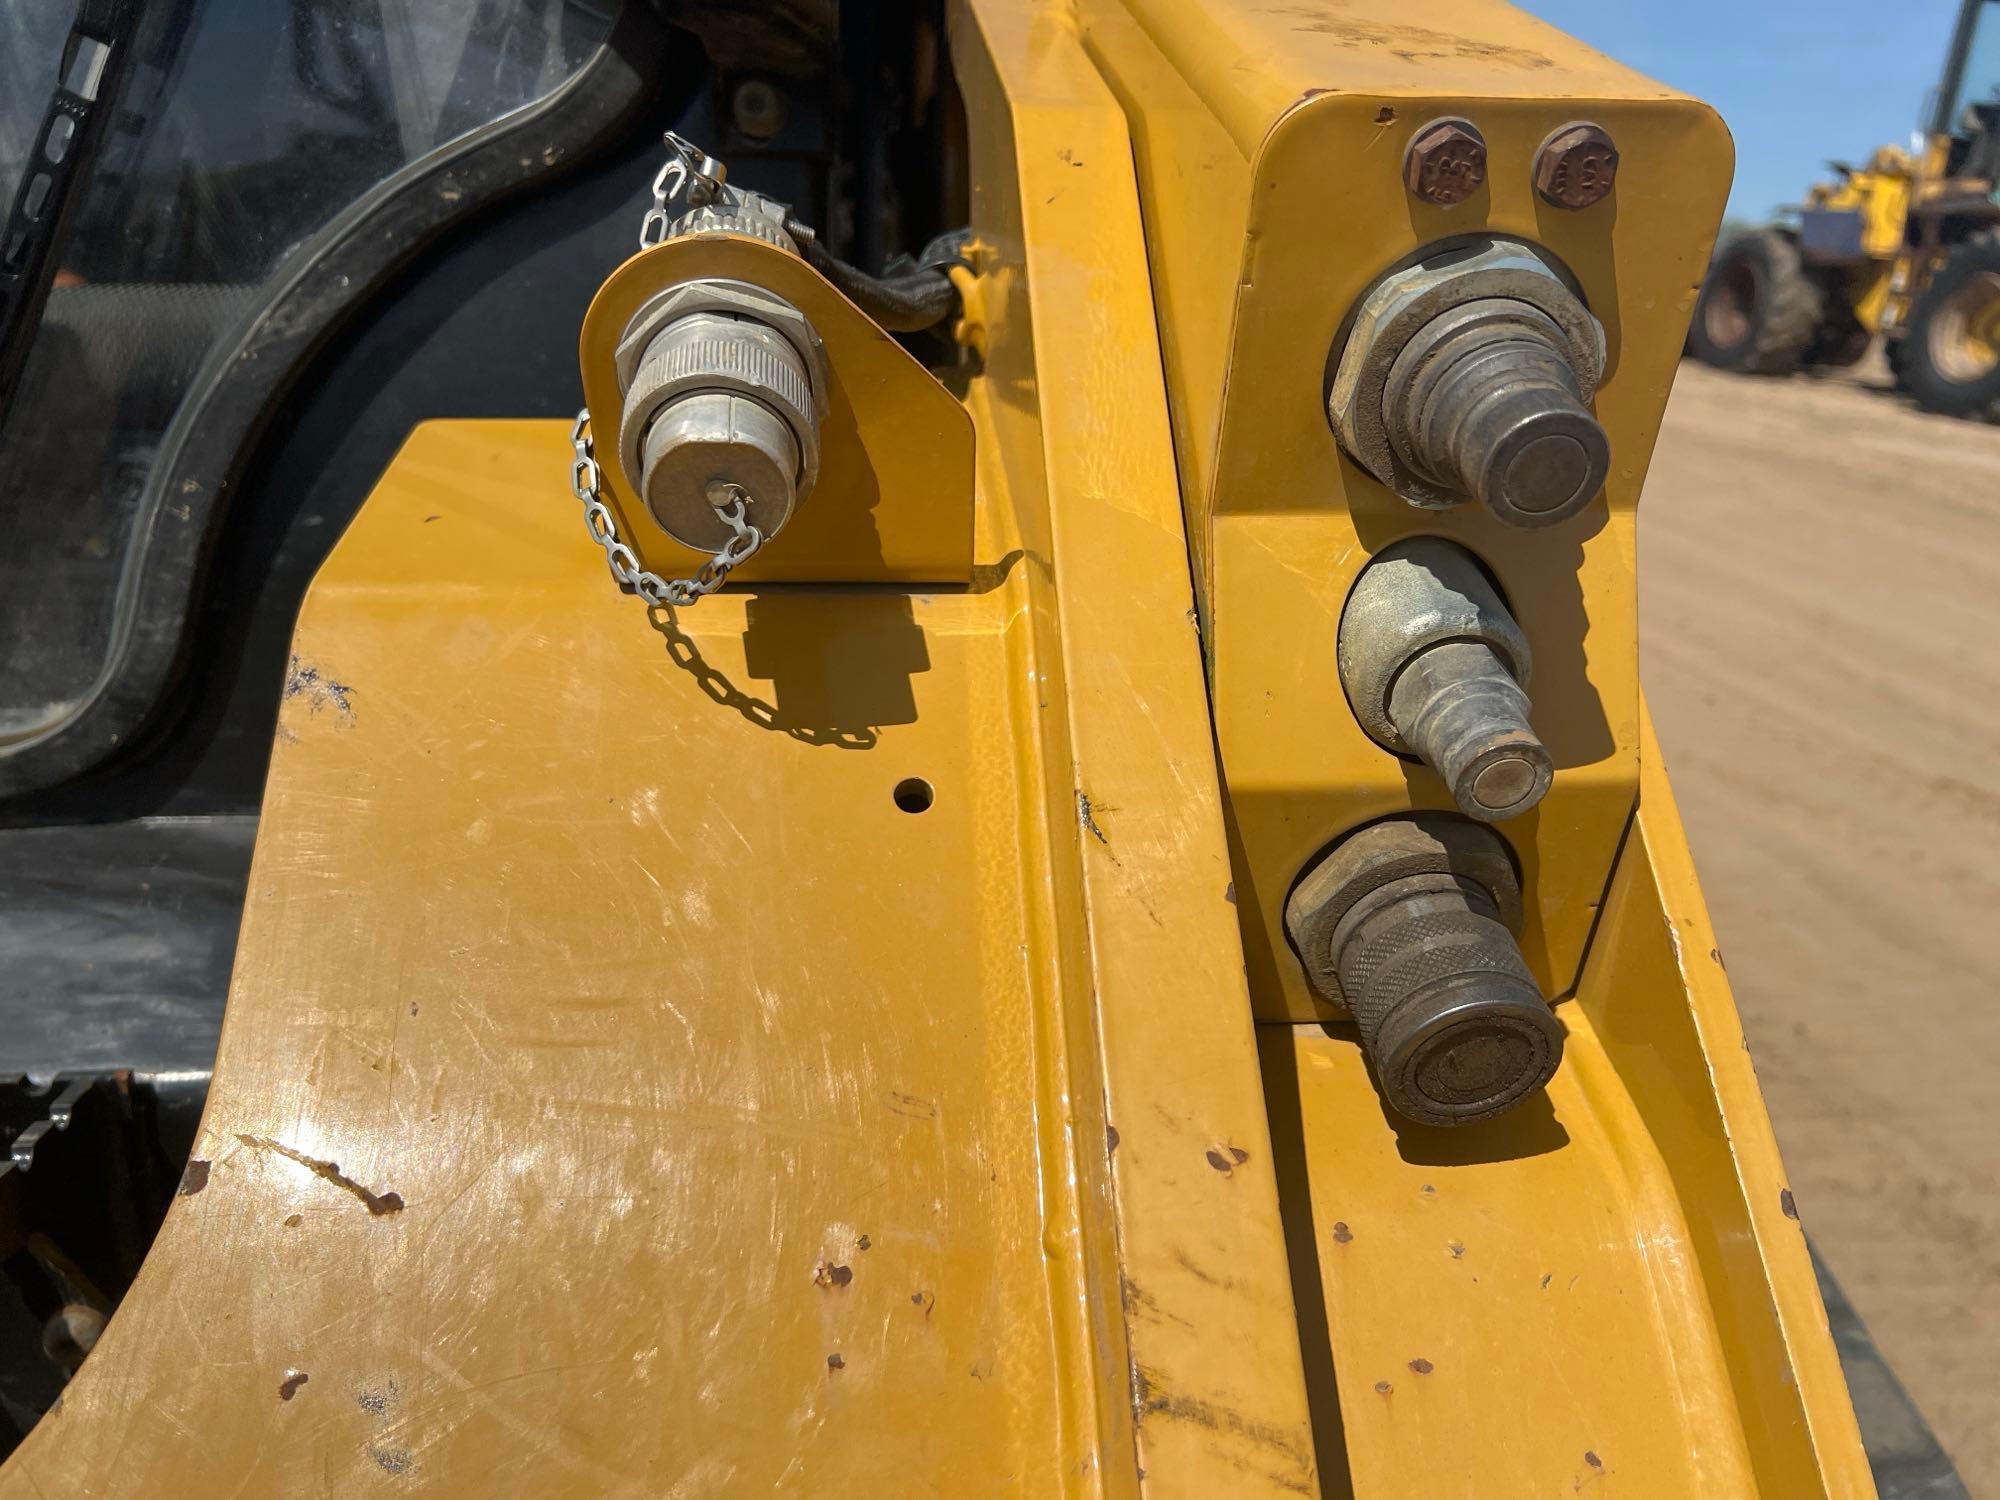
914	795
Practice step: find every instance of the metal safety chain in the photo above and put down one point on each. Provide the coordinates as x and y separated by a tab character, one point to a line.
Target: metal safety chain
586	479
691	173
688	171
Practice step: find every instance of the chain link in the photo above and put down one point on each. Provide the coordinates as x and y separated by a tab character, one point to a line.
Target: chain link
586	479
687	170
692	173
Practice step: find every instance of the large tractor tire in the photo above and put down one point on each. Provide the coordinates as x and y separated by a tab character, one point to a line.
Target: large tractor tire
1759	313
1949	358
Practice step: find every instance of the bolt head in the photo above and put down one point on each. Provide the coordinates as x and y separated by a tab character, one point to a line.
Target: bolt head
1576	166
757	109
1446	162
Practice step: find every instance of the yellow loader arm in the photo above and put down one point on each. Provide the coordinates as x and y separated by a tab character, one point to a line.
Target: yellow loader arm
845	1036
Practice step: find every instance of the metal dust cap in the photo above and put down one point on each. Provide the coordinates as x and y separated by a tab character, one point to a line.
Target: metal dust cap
1410	923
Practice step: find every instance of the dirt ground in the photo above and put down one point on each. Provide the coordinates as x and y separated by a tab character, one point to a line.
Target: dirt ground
1820	603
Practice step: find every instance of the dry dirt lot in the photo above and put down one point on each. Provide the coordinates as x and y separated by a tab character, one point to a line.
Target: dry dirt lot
1820	597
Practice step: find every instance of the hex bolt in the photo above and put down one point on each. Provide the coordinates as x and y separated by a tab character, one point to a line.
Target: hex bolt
757	109
1446	162
1410	924
1435	666
1576	166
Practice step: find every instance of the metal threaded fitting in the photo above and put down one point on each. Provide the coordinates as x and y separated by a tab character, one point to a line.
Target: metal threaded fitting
1483	401
1409	923
724	388
1469	375
1435	666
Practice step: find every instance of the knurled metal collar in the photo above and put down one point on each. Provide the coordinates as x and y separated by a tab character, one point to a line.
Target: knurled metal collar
1424	843
700	352
742	220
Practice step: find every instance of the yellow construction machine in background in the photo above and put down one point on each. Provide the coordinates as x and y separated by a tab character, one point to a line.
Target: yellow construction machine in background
1090	909
1907	247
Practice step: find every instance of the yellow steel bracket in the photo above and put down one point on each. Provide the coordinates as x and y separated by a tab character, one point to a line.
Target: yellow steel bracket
894	499
1269	144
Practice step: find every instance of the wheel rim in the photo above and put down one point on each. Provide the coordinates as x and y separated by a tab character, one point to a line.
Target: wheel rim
1725	315
1965	334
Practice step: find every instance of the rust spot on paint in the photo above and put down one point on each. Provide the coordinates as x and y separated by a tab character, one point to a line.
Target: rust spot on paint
1088	818
329	1171
1386	115
1593	1460
835	1362
429	519
289	1386
303	680
863	1243
376	1400
392	1460
1547	1279
1229	893
1294	1457
1240	1154
1342	1235
293	1221
1716	954
829	1273
1457	1250
1421	1365
1220	1162
1110	1139
1382	1387
1789	1204
194	1179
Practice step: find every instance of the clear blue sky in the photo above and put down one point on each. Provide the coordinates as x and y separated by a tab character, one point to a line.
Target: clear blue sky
1799	81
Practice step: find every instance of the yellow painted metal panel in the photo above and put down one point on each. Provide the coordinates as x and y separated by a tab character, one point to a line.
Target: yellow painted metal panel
1320	103
697	1007
711	1084
1073	409
621	1093
1253	63
1606	1291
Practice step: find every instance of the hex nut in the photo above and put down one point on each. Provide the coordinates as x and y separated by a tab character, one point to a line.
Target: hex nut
1392	313
737	299
1576	166
1446	162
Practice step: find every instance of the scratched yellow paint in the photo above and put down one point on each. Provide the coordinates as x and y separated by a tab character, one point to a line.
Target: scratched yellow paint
621	1093
1605	1292
706	1075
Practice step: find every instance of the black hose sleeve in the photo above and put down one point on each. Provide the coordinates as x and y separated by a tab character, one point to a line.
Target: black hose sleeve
909	295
